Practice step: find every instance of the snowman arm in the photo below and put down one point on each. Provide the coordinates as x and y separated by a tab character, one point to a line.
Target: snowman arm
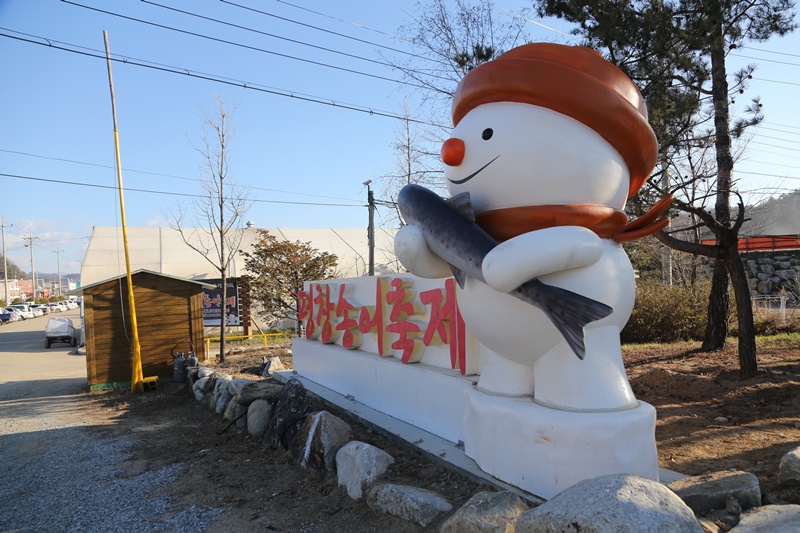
414	253
537	253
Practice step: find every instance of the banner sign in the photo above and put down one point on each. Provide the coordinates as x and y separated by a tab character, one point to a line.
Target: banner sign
212	303
409	318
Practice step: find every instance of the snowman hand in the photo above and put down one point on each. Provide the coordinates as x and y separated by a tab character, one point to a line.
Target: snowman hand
413	252
537	253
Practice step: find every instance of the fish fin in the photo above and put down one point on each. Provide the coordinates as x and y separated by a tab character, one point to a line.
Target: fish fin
459	275
461	203
570	312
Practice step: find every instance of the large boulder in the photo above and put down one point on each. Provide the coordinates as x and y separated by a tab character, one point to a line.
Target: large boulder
711	491
290	413
770	519
259	414
235	385
409	503
321	436
229	389
358	465
789	469
220	384
204	371
258	389
199	388
487	512
271	365
611	503
241	417
230	410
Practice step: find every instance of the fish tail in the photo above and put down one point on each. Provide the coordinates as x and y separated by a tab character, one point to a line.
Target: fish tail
570	312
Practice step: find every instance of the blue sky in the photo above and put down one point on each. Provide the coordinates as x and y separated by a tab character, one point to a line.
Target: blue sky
57	122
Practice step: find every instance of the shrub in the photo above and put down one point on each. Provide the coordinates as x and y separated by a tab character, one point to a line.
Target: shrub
770	322
666	313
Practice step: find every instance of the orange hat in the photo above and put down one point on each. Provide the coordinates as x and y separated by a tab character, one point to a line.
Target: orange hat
575	81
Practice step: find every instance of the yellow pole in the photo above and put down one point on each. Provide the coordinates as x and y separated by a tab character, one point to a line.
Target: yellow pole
136	359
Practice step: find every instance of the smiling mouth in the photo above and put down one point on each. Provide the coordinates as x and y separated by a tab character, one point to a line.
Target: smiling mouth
459	182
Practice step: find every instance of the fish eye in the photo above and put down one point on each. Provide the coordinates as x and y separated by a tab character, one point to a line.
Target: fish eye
487	134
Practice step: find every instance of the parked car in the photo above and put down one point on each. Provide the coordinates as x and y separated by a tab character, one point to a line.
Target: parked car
36	311
60	330
71	304
43	307
16	315
5	316
24	311
58	307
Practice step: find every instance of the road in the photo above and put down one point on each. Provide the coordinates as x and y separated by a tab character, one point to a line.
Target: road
29	371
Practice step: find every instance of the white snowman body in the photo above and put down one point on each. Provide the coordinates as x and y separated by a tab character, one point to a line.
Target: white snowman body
520	155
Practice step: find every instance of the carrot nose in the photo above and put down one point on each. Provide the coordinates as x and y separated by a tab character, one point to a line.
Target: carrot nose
453	151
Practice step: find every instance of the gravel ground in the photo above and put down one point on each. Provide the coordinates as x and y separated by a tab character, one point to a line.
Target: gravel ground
64	473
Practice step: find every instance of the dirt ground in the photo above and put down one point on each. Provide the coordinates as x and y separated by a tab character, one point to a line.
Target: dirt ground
708	421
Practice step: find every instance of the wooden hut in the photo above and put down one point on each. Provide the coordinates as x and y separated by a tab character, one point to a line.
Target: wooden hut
169	314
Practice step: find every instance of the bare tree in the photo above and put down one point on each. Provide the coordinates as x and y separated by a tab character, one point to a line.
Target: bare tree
416	161
212	224
455	37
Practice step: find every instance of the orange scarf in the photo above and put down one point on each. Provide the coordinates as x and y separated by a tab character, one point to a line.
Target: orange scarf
606	222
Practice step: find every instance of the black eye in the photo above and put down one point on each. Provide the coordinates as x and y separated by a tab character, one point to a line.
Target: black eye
487	134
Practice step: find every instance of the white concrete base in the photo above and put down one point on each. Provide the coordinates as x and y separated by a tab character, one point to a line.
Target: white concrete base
544	451
422	395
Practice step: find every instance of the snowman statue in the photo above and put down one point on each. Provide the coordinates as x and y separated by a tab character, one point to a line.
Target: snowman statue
549	142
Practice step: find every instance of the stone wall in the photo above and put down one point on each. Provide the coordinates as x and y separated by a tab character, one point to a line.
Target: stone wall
773	273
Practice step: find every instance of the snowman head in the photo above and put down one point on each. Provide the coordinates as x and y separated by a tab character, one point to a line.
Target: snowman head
548	124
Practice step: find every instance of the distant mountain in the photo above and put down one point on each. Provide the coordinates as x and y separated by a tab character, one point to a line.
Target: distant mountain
14	272
776	216
51	276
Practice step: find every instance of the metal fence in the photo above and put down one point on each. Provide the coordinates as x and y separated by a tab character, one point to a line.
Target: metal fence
256	339
771	305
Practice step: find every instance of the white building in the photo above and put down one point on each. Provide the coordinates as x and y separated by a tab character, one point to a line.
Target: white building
13	290
163	250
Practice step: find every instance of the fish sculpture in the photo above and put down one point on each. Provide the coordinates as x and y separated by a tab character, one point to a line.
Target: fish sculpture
451	232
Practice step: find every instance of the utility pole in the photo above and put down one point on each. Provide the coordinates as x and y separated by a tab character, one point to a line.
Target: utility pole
5	261
136	358
58	254
30	238
371	227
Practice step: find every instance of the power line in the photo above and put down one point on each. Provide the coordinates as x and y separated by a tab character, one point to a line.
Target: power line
771	51
769	163
526	19
781	131
303	43
268	14
93	164
766	151
215	78
149	191
773	145
341	20
760	59
784	125
168	175
240	45
767	175
777	81
778	139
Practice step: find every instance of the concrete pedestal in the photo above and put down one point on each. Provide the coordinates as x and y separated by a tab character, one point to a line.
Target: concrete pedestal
544	451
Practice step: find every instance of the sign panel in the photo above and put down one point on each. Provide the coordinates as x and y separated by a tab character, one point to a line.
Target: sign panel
212	303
